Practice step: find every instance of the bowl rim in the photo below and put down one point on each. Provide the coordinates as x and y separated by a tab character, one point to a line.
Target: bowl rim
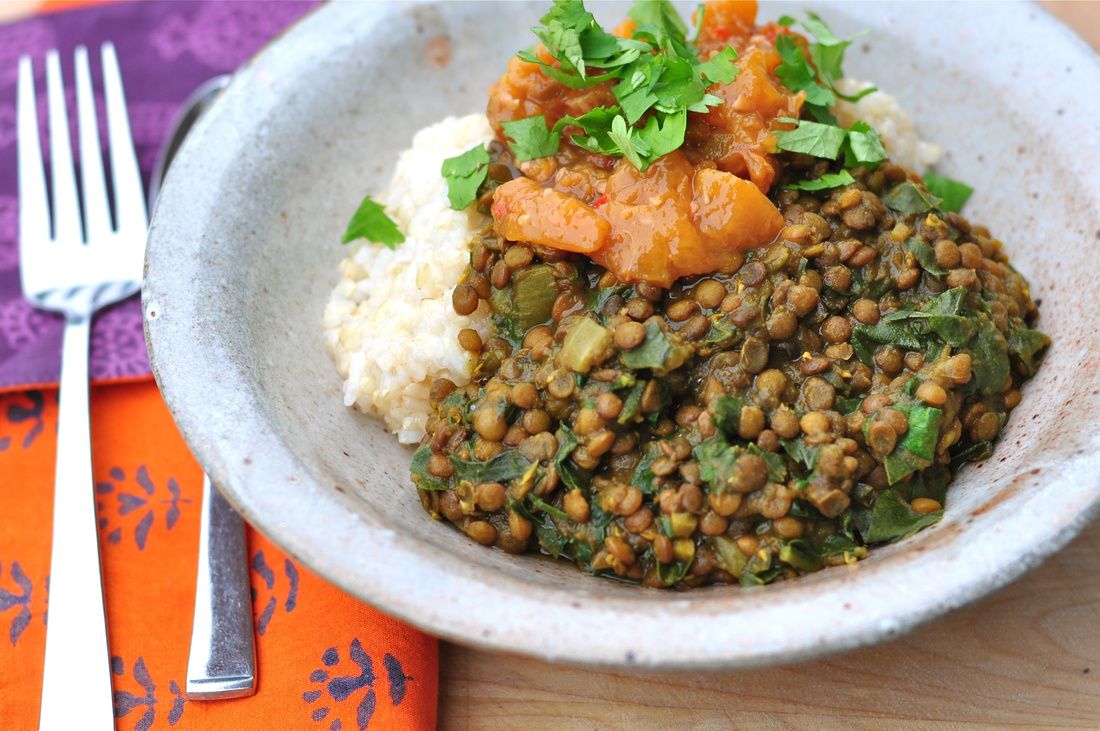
400	585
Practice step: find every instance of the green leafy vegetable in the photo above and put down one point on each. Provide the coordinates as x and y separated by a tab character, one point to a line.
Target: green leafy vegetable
826	181
529	138
569	473
370	222
670	573
1026	345
533	296
848	405
909	198
658	14
643	476
464	175
925	255
891	519
917	450
863	146
811	138
717	462
419	468
727	414
507	465
835	545
797	74
974	453
659	352
631	403
720	68
800	554
953	193
777	466
546	507
801	452
989	354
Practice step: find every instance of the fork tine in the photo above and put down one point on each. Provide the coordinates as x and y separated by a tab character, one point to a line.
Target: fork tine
66	208
129	200
97	216
34	211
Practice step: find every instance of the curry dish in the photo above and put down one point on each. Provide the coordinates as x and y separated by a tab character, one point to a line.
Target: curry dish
731	340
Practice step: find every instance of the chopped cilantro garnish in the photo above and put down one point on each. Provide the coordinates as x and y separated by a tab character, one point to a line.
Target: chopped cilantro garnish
786	21
464	175
797	75
953	193
530	139
818	79
812	138
573	37
828	180
860	143
660	78
864	146
658	14
370	222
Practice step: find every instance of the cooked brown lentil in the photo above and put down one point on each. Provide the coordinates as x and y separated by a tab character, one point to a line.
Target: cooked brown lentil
742	426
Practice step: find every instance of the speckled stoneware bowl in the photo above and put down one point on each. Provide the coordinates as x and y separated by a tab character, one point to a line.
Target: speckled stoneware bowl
244	252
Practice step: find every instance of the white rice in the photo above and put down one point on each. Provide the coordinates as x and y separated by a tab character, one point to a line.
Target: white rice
389	323
882	111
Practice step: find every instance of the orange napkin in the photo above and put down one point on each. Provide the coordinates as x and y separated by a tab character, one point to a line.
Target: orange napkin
325	660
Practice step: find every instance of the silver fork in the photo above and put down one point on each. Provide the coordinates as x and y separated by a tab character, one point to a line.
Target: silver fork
82	264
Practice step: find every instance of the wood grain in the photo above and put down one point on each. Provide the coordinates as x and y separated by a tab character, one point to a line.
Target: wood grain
1026	656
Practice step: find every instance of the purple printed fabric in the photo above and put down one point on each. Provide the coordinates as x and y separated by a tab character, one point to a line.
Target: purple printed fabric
166	49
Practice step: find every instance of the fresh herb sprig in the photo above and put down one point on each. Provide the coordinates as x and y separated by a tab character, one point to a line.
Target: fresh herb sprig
464	175
370	222
953	193
817	76
660	79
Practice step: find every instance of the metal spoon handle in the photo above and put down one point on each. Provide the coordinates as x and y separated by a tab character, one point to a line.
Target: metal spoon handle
223	656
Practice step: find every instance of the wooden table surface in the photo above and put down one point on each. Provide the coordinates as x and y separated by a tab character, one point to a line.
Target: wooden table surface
1027	656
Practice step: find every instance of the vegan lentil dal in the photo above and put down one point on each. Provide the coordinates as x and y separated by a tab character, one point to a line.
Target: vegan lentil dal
738	358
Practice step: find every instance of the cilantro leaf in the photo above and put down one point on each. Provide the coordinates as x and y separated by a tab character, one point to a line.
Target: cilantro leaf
953	192
660	79
529	138
663	138
370	222
464	175
720	68
891	519
828	180
659	14
797	75
908	199
700	13
812	138
623	137
786	21
822	32
864	146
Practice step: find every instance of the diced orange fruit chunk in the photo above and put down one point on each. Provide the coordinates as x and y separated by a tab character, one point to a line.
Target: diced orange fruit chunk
525	211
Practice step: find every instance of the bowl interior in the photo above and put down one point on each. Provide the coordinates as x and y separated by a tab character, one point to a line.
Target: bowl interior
244	253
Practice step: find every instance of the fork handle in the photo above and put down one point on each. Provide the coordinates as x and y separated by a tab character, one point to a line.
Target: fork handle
76	683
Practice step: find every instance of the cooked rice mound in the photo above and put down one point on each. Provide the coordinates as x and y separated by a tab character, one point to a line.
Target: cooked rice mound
389	323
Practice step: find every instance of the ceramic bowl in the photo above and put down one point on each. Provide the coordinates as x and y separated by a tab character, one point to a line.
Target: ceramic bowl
244	251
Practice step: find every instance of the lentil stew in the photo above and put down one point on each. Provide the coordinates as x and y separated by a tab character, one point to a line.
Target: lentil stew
716	368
